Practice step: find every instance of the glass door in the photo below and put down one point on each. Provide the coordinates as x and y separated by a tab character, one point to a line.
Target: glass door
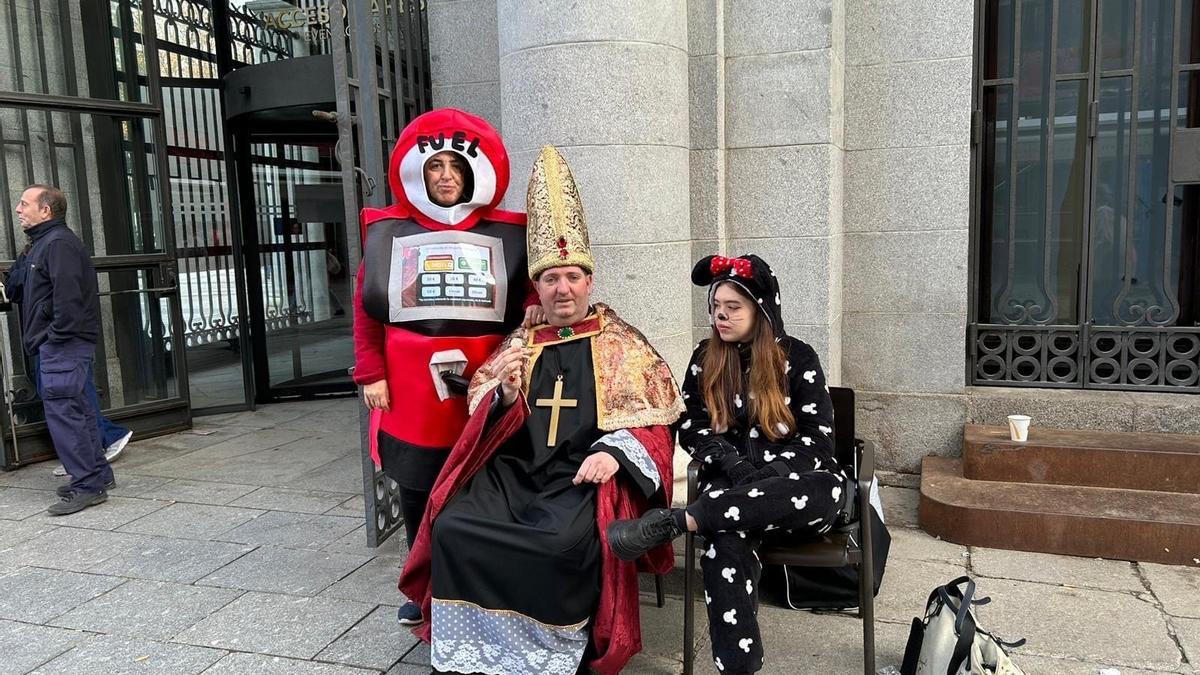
297	256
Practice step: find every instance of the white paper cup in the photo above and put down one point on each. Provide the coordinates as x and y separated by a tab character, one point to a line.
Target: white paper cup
1018	427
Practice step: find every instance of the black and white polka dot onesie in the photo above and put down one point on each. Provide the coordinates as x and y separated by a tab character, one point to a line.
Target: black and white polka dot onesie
751	486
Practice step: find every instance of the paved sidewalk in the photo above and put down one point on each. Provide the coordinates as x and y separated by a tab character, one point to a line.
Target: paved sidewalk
238	547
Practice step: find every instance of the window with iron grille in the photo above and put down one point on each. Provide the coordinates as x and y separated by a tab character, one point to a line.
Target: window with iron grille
1086	195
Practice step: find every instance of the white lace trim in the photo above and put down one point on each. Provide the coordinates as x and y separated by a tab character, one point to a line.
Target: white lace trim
468	638
635	452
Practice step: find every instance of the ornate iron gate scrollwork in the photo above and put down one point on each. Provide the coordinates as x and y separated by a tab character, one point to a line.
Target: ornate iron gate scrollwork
1086	206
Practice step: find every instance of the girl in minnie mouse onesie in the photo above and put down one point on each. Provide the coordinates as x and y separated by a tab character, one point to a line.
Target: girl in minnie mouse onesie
442	281
760	419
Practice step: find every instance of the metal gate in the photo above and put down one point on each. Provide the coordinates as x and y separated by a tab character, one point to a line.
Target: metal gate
381	70
1086	195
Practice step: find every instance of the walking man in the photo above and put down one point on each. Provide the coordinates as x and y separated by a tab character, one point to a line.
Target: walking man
60	324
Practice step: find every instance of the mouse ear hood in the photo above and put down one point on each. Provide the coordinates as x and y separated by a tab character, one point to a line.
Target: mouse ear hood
750	273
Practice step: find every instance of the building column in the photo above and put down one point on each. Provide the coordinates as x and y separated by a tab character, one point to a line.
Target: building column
607	83
908	73
783	163
463	61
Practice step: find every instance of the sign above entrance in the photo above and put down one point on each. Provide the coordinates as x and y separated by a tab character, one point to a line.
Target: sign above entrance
312	21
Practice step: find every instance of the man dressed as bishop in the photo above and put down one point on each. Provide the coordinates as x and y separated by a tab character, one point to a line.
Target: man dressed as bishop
568	431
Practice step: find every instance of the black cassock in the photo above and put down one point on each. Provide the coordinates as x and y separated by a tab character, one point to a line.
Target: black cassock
515	554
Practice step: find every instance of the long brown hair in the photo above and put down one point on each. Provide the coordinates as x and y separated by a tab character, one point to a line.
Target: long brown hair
721	379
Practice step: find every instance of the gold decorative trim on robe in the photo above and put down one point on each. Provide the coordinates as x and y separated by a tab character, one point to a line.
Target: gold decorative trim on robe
634	385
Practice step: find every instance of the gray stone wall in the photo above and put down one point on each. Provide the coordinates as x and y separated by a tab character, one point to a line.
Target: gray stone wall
607	82
464	62
907	131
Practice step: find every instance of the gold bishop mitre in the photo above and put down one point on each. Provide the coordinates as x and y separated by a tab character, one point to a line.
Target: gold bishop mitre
556	233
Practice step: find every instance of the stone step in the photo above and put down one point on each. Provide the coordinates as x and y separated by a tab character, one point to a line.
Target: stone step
1135	461
1093	522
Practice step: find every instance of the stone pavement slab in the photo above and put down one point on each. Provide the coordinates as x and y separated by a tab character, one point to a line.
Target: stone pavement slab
917	545
148	609
133	484
338	419
115	655
906	586
403	668
356	542
192	521
1187	631
1041	665
261	664
292	530
375	642
68	548
198	465
271	466
14	532
374	582
35	595
282	625
351	507
20	503
343	474
26	646
1176	587
1070	622
1112	575
284	570
199	492
298	501
830	644
166	559
110	515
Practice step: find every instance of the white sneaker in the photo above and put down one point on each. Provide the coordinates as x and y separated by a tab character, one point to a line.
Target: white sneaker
59	470
113	451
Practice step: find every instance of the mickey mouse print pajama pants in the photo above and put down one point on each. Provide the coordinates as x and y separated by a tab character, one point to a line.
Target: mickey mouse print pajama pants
732	521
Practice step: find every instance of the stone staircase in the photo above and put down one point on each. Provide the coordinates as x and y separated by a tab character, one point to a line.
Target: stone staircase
1128	496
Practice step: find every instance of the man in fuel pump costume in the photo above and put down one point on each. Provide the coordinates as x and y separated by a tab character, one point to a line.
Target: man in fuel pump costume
441	282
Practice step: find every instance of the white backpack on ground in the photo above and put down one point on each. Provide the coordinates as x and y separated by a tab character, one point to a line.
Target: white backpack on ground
949	641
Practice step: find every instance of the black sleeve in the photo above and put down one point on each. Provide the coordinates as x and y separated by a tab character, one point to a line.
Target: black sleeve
812	408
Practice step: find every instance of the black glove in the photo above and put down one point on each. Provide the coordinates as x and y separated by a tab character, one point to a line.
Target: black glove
741	472
714	450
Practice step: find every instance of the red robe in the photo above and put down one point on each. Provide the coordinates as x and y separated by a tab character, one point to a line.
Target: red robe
616	626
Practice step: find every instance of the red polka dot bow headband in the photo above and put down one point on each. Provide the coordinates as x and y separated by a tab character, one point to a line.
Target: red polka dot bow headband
740	267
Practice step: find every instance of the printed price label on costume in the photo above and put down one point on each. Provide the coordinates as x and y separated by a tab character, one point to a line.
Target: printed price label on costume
448	275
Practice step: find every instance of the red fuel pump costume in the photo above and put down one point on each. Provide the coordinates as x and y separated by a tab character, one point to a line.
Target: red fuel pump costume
438	289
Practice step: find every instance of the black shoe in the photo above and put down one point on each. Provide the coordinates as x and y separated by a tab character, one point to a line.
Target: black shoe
631	539
64	490
409	614
76	502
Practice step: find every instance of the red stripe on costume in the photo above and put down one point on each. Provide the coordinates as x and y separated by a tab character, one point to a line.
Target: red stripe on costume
417	416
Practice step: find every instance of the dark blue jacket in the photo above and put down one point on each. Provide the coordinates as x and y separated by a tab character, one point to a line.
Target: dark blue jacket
55	283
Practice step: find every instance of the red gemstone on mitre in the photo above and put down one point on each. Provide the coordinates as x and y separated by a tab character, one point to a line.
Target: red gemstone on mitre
562	242
563	253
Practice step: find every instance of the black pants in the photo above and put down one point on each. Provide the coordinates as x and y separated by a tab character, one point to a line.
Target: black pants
412	506
732	521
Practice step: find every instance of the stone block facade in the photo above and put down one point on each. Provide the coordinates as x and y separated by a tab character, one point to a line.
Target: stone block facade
830	138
